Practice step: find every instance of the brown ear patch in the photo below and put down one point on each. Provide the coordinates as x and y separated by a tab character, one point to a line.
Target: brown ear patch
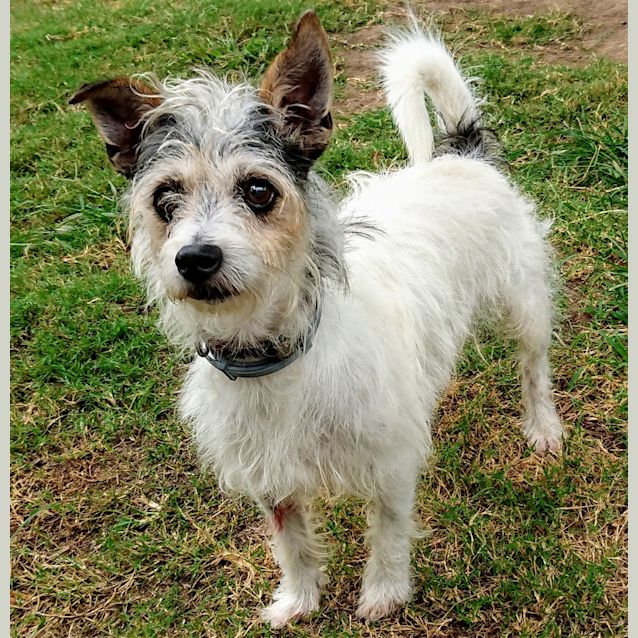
116	107
299	84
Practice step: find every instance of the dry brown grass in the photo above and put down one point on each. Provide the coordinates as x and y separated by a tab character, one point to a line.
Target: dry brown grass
115	531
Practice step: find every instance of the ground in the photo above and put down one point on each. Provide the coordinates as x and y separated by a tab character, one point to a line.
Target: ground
601	32
116	530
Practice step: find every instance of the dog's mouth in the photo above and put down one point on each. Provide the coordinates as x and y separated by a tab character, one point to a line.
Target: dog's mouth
208	292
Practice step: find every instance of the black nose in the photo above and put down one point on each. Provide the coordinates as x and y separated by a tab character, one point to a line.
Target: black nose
197	262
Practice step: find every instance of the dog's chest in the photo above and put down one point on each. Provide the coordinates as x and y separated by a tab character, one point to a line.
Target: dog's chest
280	437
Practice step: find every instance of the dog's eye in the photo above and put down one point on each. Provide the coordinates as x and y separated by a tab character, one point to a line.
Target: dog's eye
259	194
166	199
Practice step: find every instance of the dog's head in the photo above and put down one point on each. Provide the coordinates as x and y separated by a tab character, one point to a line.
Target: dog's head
221	192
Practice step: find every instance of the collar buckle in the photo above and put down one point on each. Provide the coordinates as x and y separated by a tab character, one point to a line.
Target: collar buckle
221	364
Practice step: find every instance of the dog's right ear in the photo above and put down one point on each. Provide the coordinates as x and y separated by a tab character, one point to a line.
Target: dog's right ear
116	107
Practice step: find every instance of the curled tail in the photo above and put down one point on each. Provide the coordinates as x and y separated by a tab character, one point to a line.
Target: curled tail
417	63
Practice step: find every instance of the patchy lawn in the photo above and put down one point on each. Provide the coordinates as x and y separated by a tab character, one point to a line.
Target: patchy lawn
115	531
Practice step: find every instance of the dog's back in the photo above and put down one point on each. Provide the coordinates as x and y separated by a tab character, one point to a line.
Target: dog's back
457	241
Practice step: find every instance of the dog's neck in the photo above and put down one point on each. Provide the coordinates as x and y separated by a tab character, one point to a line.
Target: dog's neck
261	359
245	325
275	333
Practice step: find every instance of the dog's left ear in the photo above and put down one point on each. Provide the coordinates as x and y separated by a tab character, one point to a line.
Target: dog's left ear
117	107
299	84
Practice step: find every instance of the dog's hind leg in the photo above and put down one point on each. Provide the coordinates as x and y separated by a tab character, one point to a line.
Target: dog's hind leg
387	580
298	551
529	320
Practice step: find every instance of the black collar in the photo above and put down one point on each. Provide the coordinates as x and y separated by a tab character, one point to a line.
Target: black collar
245	364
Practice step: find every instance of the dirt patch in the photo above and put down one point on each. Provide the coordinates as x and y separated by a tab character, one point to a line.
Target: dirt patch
356	63
604	23
603	34
86	477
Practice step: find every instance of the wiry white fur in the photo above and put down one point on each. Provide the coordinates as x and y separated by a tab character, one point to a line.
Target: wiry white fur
414	63
456	243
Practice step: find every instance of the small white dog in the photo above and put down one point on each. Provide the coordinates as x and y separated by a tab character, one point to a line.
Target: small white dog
253	260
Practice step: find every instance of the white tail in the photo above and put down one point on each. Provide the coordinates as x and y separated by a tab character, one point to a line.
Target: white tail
412	65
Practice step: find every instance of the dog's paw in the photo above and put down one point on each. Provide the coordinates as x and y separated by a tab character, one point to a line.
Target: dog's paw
543	438
289	607
546	443
375	603
375	611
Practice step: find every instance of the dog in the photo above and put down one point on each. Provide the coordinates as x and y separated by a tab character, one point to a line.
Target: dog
326	330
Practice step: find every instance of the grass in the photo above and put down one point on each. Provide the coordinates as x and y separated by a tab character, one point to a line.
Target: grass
115	531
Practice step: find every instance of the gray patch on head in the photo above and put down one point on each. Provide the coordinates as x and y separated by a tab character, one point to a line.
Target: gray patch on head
218	119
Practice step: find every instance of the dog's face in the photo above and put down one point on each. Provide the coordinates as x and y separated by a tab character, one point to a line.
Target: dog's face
218	197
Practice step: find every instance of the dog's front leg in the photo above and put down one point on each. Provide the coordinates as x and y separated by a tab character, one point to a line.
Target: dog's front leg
298	551
387	580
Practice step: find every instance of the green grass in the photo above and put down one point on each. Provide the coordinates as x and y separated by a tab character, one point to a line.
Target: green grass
115	531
